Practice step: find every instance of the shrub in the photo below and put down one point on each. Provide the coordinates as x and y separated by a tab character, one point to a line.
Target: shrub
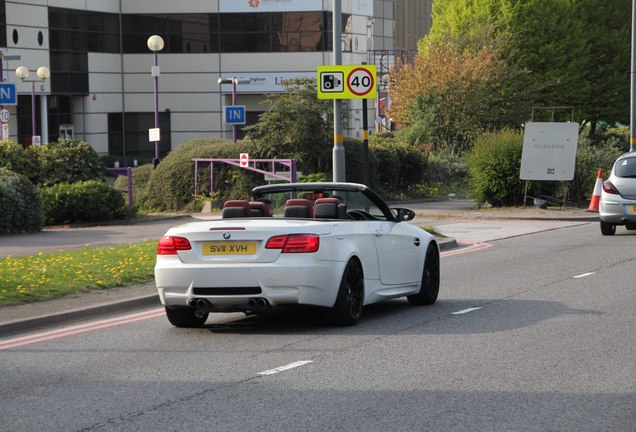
20	204
493	166
399	165
19	160
354	162
590	156
140	178
82	201
68	161
171	184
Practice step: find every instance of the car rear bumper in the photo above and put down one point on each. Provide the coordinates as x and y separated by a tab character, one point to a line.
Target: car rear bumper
617	211
292	279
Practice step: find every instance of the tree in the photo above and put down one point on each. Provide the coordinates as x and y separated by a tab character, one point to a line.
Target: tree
575	52
297	125
449	97
607	25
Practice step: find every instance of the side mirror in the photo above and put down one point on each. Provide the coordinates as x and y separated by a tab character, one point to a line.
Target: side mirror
404	214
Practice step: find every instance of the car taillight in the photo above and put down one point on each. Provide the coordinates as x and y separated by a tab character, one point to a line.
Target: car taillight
170	245
608	187
294	243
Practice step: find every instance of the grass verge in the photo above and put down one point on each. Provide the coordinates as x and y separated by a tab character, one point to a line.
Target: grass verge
431	230
53	275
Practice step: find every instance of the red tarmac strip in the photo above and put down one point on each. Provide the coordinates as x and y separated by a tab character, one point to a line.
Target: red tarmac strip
466	247
82	328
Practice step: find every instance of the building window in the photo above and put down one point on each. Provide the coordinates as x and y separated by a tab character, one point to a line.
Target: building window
229	32
136	143
182	33
3	24
72	35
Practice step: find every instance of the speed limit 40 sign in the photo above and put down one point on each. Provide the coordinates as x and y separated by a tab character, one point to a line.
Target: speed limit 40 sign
347	82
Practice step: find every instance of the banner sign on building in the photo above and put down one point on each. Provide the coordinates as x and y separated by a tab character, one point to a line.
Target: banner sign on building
269	5
263	82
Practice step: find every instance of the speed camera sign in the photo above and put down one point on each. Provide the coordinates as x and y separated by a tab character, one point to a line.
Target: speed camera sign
347	82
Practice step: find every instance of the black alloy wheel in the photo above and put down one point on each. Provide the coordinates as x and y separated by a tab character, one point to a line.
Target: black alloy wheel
429	287
348	307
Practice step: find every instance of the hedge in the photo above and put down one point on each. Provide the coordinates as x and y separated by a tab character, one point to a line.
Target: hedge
20	203
84	201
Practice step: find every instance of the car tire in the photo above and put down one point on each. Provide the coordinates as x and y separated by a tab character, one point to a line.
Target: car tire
348	307
429	287
186	317
608	229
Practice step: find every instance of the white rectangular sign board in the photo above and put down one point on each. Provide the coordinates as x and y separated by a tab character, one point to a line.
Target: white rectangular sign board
154	134
549	151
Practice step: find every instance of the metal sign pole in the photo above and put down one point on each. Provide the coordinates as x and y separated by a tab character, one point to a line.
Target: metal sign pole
338	146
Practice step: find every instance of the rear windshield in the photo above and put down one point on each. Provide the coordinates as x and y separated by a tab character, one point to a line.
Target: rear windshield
626	168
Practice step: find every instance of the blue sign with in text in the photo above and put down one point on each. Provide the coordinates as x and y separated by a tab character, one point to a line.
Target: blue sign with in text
235	114
8	95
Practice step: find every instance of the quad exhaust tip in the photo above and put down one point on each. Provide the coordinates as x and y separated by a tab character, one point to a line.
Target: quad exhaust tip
258	303
199	303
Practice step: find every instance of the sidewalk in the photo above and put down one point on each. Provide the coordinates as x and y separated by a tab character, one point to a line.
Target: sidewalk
457	220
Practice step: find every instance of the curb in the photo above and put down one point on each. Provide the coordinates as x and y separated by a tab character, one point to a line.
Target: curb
78	314
446	243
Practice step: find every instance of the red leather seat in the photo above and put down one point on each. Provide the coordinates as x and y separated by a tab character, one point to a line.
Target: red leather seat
236	209
298	208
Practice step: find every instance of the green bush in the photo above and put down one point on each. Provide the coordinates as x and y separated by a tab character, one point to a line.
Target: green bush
20	204
399	165
171	184
19	160
354	162
83	201
68	161
590	156
140	178
493	165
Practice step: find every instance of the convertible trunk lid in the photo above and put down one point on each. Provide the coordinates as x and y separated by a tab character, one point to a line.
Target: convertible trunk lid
240	240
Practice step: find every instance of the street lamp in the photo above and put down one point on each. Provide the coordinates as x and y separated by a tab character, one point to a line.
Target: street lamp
234	81
155	44
43	74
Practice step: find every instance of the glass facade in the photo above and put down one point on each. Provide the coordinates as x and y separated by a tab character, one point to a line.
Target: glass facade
72	35
136	143
229	32
182	33
3	24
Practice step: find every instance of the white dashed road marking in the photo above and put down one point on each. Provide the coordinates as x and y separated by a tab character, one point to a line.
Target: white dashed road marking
465	311
583	275
286	367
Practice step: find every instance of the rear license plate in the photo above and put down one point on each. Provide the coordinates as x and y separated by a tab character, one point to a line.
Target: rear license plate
229	248
632	209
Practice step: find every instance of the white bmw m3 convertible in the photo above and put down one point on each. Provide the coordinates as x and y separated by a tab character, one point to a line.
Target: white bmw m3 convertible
333	245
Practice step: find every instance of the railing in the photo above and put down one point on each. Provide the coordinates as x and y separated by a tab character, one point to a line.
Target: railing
128	173
252	165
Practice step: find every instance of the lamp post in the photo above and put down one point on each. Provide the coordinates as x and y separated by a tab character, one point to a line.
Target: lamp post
234	81
43	74
155	44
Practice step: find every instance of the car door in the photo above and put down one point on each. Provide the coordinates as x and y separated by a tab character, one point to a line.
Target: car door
399	252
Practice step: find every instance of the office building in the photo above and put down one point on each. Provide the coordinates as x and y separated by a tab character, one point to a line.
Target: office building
101	84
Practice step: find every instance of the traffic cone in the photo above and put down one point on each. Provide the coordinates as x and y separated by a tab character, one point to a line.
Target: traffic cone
596	195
